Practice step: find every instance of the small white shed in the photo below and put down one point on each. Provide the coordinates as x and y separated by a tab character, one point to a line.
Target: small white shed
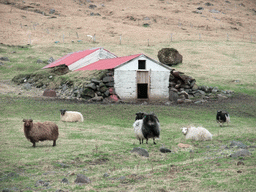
136	77
142	78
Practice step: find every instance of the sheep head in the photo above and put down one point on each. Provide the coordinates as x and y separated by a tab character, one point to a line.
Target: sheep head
150	119
139	115
184	130
28	123
63	111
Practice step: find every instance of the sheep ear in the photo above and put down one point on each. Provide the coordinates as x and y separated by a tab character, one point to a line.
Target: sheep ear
31	120
24	120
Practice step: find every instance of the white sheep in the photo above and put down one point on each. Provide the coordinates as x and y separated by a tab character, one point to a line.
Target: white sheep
196	133
71	116
137	130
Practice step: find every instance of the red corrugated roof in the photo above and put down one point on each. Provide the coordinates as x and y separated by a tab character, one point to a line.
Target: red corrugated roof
71	58
108	63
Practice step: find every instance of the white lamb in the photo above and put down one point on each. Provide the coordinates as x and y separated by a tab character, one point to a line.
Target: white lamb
197	133
137	130
71	116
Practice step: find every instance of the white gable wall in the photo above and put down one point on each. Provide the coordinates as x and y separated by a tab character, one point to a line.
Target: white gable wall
126	81
93	57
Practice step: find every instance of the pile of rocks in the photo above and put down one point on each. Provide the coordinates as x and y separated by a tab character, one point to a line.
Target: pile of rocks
94	90
183	88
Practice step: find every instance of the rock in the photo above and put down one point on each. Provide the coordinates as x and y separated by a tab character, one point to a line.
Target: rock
205	89
208	4
140	151
82	179
110	84
64	180
39	61
241	153
240	163
169	56
6	190
201	92
180	101
49	93
184	93
112	91
214	11
97	98
164	150
91	6
63	165
107	93
238	144
220	96
215	90
173	96
103	89
87	93
200	102
108	79
50	60
95	81
27	86
91	85
39	183
52	11
187	101
113	98
4	59
106	175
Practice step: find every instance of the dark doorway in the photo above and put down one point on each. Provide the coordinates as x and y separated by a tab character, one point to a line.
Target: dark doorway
142	91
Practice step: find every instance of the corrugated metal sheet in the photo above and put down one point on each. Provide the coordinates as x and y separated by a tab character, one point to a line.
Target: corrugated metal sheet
71	58
108	63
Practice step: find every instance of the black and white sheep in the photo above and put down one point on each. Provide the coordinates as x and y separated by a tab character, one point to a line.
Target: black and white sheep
146	128
71	116
222	117
36	132
196	133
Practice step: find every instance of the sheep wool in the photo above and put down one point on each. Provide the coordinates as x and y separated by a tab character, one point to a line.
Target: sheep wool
137	125
36	132
150	127
197	133
71	116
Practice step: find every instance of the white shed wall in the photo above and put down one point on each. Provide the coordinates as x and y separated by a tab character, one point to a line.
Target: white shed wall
126	82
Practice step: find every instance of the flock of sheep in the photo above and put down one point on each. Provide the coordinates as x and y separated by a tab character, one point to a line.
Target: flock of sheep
146	126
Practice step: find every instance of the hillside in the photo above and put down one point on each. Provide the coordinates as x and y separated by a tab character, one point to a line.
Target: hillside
137	22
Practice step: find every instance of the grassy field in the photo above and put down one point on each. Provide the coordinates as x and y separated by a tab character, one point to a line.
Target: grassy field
102	143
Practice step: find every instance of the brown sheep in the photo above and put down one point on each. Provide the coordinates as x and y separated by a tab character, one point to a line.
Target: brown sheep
36	132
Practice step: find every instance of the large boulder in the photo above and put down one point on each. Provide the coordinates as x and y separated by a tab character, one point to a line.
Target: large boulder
169	56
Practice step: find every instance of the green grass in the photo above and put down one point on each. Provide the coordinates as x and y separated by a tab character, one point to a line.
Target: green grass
102	144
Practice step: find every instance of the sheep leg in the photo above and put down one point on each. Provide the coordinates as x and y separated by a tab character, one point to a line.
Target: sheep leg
147	141
54	143
154	141
142	141
34	143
